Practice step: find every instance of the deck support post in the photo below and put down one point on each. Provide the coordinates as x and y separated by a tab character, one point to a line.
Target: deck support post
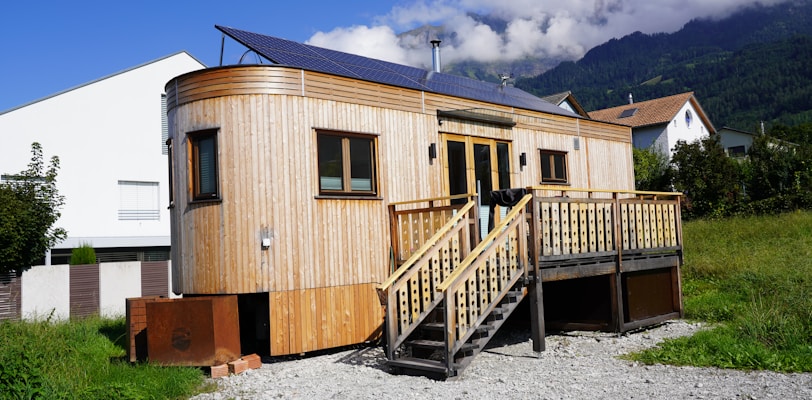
537	329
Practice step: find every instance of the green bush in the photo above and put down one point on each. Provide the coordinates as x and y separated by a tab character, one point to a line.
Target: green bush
84	254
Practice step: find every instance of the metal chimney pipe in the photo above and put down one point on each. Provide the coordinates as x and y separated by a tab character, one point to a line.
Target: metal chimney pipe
435	55
631	99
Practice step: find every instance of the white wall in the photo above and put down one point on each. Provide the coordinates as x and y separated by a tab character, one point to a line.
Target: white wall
117	282
679	130
46	288
103	132
729	138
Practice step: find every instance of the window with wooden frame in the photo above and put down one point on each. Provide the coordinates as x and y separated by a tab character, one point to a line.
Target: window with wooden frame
553	166
170	154
203	151
347	164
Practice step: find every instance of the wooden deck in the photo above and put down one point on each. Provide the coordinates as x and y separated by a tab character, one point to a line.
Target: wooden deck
586	259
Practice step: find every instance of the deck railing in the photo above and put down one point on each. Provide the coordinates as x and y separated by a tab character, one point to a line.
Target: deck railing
410	292
618	222
412	223
477	286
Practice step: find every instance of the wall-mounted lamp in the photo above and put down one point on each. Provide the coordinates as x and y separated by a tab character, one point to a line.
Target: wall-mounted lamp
522	160
432	151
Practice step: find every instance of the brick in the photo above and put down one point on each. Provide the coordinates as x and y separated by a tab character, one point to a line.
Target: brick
219	371
253	360
237	366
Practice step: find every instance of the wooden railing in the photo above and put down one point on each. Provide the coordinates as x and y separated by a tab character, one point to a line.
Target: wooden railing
474	289
585	226
410	292
412	223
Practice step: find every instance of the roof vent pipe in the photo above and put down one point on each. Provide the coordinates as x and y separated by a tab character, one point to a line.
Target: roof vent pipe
435	55
631	99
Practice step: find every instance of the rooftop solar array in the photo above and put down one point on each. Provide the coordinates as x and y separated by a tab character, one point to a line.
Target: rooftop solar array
294	54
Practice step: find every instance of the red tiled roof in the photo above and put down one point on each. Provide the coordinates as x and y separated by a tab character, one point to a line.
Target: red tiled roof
650	112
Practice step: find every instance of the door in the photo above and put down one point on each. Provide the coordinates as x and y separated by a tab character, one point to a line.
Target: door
477	165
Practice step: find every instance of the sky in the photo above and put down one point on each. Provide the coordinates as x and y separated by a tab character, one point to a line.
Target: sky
49	46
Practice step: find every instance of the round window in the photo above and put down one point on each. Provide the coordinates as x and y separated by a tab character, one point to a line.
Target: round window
688	118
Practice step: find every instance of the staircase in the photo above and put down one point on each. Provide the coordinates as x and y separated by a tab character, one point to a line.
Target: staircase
443	310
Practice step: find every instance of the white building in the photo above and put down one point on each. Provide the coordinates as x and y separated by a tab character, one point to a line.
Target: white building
109	135
661	122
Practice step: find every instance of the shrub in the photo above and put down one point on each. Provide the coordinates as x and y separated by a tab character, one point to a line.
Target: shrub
84	254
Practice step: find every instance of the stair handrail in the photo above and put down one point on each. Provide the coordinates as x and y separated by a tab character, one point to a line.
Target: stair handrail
419	253
485	243
517	216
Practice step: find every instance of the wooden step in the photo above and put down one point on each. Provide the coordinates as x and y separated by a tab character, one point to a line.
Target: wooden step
410	363
437	345
433	326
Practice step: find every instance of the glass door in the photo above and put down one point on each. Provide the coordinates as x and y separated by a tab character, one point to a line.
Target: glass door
477	165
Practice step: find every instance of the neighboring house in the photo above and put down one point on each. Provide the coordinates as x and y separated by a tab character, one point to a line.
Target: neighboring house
567	101
110	137
735	142
660	122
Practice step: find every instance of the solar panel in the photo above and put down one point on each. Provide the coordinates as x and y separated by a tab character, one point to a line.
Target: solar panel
286	52
628	113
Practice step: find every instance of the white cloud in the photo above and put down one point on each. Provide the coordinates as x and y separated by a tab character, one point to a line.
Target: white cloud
541	28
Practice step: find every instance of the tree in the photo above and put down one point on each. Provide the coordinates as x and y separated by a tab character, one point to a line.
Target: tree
710	180
651	170
29	208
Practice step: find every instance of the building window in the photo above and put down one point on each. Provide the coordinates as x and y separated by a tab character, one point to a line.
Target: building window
346	164
138	201
688	118
170	154
553	166
736	151
205	181
164	126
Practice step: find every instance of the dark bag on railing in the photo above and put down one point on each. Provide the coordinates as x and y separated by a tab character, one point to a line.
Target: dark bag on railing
504	198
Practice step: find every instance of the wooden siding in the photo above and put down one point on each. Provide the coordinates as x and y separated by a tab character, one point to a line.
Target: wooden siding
154	278
326	252
322	318
84	290
10	296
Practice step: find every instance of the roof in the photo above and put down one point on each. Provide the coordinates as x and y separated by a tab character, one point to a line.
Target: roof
651	112
101	79
559	98
312	58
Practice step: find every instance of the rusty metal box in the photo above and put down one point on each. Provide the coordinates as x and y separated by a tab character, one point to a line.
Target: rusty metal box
193	331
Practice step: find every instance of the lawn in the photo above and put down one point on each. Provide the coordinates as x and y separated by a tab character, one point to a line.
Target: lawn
751	277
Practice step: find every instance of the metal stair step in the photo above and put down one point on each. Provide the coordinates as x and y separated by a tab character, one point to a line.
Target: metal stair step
437	345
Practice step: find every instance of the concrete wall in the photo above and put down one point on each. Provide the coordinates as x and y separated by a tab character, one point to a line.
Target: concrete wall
46	289
119	281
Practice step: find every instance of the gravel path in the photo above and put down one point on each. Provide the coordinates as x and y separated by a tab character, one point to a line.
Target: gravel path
576	365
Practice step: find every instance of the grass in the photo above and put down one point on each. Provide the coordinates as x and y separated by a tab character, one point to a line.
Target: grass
83	359
752	278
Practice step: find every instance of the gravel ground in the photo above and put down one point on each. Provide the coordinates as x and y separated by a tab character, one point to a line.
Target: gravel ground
576	365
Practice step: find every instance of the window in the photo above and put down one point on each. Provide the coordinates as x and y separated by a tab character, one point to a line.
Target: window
170	154
205	185
138	201
688	118
164	127
346	164
553	166
736	151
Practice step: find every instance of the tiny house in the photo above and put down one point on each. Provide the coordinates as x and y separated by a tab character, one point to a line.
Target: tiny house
335	195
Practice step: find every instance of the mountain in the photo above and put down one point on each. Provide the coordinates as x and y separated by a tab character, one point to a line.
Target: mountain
749	67
484	71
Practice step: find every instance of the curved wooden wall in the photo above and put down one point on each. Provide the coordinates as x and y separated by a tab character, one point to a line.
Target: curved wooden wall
326	255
